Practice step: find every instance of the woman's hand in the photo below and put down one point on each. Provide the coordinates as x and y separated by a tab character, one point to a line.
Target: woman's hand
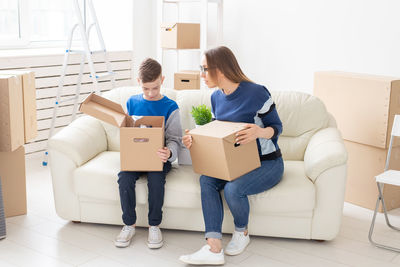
164	154
187	139
252	132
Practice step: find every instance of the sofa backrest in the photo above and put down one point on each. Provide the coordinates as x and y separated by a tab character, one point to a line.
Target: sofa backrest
302	115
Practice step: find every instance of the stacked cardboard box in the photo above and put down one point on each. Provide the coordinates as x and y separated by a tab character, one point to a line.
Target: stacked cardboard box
11	113
364	107
180	36
17	108
12	174
187	79
18	125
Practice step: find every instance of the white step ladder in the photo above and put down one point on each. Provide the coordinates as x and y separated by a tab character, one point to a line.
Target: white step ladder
86	53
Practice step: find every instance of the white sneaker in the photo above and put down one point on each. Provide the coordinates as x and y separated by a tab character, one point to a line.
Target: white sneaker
125	236
204	256
237	244
155	239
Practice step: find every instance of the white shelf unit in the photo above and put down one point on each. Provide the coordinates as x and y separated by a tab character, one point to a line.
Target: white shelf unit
204	16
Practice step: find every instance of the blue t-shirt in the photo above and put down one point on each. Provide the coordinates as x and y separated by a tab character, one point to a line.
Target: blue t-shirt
139	106
250	103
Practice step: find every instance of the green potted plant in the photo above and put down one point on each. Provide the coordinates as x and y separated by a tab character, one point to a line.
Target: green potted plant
201	114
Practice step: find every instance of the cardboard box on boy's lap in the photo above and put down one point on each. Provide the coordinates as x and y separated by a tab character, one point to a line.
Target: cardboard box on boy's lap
140	139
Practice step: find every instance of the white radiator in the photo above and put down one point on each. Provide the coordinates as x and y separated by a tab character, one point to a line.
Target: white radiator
47	70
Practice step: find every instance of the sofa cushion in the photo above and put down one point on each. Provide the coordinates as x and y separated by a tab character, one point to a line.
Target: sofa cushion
295	193
98	179
302	115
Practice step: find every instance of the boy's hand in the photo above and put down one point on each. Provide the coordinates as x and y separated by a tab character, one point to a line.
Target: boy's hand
164	154
187	139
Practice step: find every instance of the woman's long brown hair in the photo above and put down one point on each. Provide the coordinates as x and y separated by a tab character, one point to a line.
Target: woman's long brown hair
222	58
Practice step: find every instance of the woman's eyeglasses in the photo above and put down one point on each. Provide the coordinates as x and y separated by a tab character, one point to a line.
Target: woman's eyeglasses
204	69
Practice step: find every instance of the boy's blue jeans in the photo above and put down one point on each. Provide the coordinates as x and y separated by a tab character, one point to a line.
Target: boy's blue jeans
235	193
155	184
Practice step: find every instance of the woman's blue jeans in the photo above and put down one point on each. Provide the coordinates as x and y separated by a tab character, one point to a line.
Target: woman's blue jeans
235	193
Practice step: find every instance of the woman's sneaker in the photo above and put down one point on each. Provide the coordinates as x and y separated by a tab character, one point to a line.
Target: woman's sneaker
237	244
155	239
125	236
204	257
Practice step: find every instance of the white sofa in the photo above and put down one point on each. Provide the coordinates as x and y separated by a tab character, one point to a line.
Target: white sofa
307	203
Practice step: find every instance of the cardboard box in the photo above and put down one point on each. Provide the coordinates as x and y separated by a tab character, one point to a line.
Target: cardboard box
13	181
180	35
215	154
363	105
187	79
364	163
29	101
11	113
138	146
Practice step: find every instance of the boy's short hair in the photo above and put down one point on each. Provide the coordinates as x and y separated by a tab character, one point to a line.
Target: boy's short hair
149	70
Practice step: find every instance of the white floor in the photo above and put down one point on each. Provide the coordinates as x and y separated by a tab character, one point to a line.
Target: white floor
41	238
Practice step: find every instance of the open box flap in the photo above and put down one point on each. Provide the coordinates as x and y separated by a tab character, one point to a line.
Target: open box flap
105	110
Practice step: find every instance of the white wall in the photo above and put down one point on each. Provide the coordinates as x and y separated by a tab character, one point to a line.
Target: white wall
115	20
144	34
282	43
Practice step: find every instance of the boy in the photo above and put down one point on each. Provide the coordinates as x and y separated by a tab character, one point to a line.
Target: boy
150	103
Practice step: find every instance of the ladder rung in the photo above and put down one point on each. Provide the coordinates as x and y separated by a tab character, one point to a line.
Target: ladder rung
104	75
67	99
84	52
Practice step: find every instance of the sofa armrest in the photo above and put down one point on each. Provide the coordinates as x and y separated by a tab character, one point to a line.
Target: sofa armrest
80	141
324	151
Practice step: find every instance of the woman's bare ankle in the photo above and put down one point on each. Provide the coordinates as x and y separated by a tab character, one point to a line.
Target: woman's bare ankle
215	245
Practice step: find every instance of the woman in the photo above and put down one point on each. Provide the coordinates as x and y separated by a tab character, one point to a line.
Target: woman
238	100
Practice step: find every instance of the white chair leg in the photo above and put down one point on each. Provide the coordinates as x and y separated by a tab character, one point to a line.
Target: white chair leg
371	229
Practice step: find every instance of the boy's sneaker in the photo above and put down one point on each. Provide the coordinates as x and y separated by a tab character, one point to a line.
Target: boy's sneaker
237	244
125	236
204	257
155	239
